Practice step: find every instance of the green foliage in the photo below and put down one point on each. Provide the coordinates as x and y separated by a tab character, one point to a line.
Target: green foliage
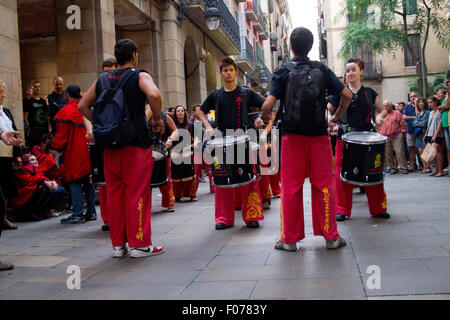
447	73
438	83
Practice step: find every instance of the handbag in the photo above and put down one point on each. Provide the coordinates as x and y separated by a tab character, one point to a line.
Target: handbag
429	154
417	131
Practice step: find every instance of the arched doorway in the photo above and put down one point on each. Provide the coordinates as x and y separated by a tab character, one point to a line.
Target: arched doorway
191	74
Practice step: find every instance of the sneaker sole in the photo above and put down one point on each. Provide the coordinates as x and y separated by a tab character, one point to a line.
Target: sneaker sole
145	254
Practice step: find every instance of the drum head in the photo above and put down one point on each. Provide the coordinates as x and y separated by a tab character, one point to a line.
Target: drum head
157	155
228	141
365	137
186	153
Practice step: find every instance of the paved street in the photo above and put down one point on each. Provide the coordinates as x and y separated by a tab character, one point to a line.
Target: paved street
412	250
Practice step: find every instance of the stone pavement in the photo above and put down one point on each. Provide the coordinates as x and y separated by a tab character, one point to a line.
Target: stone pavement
412	251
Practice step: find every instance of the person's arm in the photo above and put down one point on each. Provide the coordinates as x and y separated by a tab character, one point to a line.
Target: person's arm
267	108
49	124
11	138
438	129
148	87
87	101
172	127
346	99
61	136
209	131
88	125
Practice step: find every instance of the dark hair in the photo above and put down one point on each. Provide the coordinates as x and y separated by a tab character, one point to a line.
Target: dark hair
425	102
124	50
436	101
359	61
171	109
302	41
185	119
48	147
46	137
401	102
227	61
109	63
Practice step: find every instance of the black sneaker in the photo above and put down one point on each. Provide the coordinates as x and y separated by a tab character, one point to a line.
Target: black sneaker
73	219
222	226
90	216
105	227
253	224
383	215
340	217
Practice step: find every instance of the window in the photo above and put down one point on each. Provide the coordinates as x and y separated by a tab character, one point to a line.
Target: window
365	52
410	7
414	40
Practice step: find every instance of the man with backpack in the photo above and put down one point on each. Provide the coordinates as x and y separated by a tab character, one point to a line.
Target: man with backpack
231	105
302	86
120	119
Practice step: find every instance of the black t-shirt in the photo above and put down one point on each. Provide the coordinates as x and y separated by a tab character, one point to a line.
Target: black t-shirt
135	100
55	103
279	82
360	113
37	112
230	109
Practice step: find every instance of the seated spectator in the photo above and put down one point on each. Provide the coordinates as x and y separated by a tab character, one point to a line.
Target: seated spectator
435	135
36	193
393	127
37	150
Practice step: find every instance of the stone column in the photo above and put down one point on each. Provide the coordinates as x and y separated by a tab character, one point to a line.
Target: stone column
10	59
80	53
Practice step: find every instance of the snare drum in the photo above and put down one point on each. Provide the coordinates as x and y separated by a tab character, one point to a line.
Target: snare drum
363	158
235	172
182	165
97	164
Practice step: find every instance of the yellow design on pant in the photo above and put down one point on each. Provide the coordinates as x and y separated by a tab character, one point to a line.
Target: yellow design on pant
254	205
140	234
281	218
326	199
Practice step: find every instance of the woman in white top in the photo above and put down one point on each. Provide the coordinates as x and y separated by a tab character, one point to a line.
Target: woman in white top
435	135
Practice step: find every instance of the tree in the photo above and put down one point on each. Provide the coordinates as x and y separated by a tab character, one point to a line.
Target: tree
384	26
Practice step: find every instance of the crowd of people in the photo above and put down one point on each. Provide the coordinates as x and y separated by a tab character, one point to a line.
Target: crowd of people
49	173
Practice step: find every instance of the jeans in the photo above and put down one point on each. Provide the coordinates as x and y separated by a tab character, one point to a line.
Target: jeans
76	191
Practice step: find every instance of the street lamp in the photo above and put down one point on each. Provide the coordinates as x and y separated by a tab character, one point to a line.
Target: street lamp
212	14
264	83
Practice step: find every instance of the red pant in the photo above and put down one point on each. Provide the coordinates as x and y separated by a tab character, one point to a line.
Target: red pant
303	157
226	199
264	182
375	194
186	189
168	198
275	183
104	208
128	172
198	169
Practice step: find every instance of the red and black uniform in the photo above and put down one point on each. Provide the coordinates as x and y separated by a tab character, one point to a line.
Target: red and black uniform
306	154
230	115
128	169
359	117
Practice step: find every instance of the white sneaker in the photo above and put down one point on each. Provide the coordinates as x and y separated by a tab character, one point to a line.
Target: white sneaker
146	252
120	252
335	244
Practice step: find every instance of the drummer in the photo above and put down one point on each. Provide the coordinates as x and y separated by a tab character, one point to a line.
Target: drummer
186	186
231	116
366	105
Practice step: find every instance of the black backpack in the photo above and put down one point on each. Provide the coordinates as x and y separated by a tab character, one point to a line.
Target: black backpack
305	98
112	123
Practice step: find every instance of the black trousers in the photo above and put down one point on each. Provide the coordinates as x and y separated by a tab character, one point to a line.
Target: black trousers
2	208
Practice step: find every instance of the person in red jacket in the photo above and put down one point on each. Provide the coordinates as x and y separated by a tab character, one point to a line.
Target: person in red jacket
71	137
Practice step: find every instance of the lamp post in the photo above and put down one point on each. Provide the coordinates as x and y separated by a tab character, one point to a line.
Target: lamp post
212	14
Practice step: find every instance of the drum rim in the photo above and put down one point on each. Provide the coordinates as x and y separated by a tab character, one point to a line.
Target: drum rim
159	184
368	143
235	185
210	143
362	184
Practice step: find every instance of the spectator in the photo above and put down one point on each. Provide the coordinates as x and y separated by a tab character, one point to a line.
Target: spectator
71	137
109	64
392	127
420	125
409	114
400	107
444	109
435	135
56	101
38	150
8	187
35	115
172	112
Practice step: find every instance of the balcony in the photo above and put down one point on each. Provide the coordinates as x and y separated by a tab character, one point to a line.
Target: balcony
273	41
226	36
246	60
264	35
250	11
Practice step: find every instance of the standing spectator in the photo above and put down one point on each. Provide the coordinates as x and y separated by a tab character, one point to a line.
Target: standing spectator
400	107
128	169
392	127
420	125
172	112
435	135
35	115
7	152
109	64
71	138
409	114
56	101
444	109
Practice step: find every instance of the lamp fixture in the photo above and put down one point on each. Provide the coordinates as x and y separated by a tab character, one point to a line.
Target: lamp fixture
212	13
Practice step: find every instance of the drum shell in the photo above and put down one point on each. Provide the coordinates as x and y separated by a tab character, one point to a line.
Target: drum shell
363	164
159	173
184	170
97	163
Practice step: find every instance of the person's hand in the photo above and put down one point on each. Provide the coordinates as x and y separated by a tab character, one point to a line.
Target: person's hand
209	131
90	135
259	123
157	126
443	108
169	143
12	138
263	136
334	121
433	139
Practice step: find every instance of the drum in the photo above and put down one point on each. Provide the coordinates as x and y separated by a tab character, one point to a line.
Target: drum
182	165
363	158
159	173
97	167
235	172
